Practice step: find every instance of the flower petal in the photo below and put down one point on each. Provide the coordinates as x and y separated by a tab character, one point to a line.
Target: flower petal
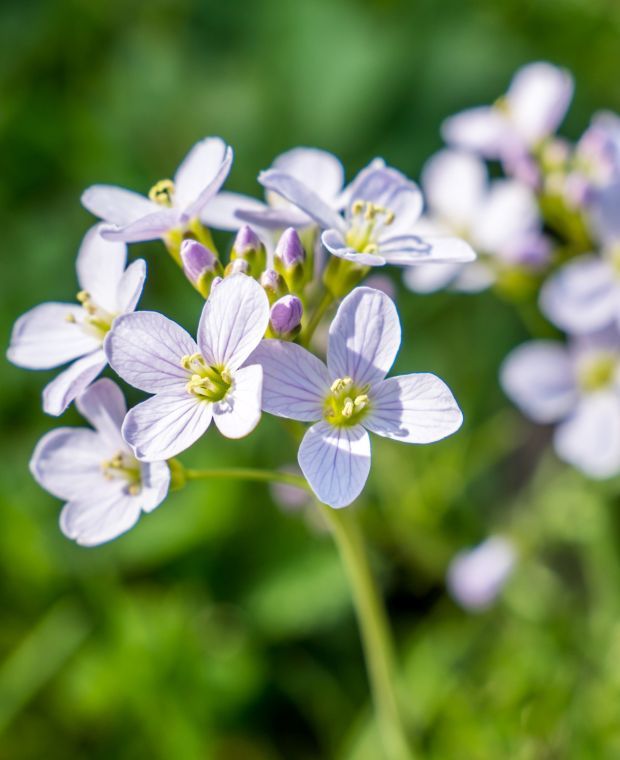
275	218
130	287
63	389
476	576
391	190
103	405
364	337
100	266
155	484
509	212
116	205
590	438
165	425
483	130
233	321
151	227
454	184
335	462
301	196
92	521
221	211
319	170
50	335
539	377
411	250
146	348
239	412
334	241
417	408
295	382
202	171
429	279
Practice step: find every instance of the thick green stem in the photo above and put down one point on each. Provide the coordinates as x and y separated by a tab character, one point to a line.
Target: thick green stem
375	631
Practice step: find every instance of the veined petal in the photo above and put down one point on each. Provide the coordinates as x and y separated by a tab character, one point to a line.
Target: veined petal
238	413
391	190
335	243
277	218
100	516
483	130
317	169
590	438
233	321
201	174
155	484
295	382
221	211
412	250
130	287
67	462
454	184
165	425
417	408
350	191
50	335
335	462
301	196
364	337
67	386
103	405
151	227
539	377
145	349
100	265
116	205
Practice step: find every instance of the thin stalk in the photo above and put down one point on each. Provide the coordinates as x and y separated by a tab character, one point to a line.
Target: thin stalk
247	473
323	305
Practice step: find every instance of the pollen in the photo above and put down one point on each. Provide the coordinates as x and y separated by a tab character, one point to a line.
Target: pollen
205	382
346	404
122	466
162	192
367	221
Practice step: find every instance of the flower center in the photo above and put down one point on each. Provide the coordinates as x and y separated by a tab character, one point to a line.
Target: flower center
122	466
205	382
96	321
598	372
366	222
162	192
346	404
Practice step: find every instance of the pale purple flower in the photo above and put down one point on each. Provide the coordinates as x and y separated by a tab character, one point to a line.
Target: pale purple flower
512	128
350	396
476	576
171	205
285	315
499	219
53	334
318	169
576	387
378	224
193	382
105	487
596	160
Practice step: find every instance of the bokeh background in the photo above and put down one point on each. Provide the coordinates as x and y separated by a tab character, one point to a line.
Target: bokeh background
222	626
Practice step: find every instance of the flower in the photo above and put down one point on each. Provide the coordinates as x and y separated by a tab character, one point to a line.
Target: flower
577	388
105	487
53	334
476	576
171	205
193	383
382	207
514	126
317	168
499	219
350	395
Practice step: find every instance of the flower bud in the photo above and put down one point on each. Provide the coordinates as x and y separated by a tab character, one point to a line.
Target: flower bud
285	317
248	247
238	265
273	284
200	265
290	257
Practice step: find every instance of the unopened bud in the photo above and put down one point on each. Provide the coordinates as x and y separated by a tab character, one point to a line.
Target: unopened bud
273	284
248	247
200	265
290	257
285	317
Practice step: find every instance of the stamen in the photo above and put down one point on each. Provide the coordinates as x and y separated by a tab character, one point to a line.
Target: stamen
346	404
122	466
162	192
205	382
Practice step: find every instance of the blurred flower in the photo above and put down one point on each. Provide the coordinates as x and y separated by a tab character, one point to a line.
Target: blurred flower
56	333
351	395
378	226
171	205
105	487
499	219
475	577
595	163
513	127
290	498
193	383
578	388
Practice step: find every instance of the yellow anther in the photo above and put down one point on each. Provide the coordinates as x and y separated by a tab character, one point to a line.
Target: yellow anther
83	296
371	248
134	489
357	207
71	319
348	408
370	212
226	377
162	192
361	401
389	217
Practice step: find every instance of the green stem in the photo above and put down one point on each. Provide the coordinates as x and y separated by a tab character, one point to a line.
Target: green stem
323	305
374	628
247	473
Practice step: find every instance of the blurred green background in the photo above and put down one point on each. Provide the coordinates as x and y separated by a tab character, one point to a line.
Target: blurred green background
221	627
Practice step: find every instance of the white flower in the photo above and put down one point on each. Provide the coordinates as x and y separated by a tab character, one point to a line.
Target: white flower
476	576
193	382
56	333
171	205
351	395
105	487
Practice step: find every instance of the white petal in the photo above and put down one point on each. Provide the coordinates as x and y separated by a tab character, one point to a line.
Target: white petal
102	515
390	189
201	174
582	296
155	484
295	382
510	211
430	249
151	227
429	279
418	408
483	130
334	241
476	576
103	405
220	211
63	389
165	425
67	462
364	337
454	184
319	170
278	218
590	438
539	377
474	277
233	321
130	287
116	205
239	412
538	99
146	348
100	265
335	462
44	337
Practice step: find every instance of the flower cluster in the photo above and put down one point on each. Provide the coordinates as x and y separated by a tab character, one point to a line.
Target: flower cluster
294	256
